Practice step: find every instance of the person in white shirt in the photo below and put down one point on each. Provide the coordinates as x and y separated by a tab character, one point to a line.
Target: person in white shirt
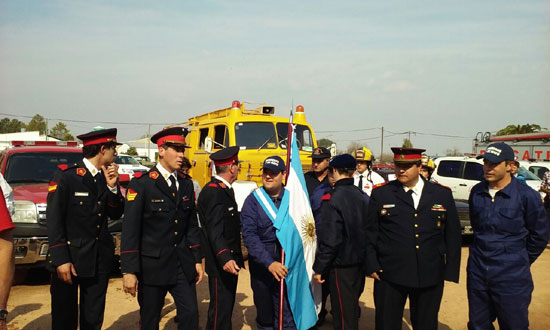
364	177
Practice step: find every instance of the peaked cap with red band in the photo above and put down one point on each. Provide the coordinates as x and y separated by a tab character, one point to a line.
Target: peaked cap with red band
407	155
226	156
171	136
99	136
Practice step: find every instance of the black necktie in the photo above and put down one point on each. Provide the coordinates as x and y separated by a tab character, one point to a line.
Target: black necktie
360	185
173	187
410	194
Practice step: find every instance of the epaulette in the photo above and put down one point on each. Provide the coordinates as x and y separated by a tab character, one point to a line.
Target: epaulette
81	171
439	184
379	185
154	175
326	197
213	185
137	174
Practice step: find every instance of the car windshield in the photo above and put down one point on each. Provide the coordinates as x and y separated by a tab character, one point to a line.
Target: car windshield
303	136
31	167
255	135
126	160
526	174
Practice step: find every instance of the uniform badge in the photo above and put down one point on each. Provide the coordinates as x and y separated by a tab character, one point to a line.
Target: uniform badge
438	224
81	171
52	187
131	195
81	194
154	175
438	207
185	198
383	212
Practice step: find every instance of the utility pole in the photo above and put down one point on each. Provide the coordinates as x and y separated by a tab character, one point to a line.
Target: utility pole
382	144
148	142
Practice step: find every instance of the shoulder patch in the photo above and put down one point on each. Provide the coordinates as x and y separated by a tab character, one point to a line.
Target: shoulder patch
52	187
81	171
63	167
131	195
154	175
223	185
379	185
137	174
326	197
213	185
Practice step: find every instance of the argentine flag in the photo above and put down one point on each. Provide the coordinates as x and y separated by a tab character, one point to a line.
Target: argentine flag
297	236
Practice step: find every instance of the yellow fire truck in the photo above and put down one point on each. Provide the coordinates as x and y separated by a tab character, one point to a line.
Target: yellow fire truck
257	132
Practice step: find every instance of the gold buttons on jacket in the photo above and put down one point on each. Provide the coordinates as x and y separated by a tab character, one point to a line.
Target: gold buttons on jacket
98	226
416	215
81	203
417	247
176	221
98	202
416	235
99	214
415	225
175	233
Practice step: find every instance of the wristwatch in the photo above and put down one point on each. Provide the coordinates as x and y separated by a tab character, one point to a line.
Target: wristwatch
3	314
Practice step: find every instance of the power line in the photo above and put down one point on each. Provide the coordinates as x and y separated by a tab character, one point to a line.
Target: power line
88	121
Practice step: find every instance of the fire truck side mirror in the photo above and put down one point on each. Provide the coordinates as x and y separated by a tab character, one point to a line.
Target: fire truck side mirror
332	150
208	143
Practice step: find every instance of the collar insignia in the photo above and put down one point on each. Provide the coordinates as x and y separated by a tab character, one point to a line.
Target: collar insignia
81	171
154	175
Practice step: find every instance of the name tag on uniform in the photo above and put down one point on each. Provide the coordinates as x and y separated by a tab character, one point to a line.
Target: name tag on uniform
81	194
157	201
388	206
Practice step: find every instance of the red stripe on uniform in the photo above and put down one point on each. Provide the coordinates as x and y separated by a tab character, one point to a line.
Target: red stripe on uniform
129	251
221	252
51	247
194	246
339	297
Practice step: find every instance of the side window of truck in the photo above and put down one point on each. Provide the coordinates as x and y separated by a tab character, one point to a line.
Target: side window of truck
220	136
203	134
449	168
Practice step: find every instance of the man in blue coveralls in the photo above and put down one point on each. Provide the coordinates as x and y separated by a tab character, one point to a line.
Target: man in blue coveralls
264	249
511	231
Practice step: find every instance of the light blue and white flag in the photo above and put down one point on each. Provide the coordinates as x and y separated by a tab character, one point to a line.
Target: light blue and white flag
295	230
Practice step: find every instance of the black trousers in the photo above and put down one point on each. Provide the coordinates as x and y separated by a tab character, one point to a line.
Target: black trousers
346	285
65	302
390	298
151	301
222	299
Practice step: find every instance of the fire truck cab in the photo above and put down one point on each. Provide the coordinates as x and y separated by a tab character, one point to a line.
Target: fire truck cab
258	133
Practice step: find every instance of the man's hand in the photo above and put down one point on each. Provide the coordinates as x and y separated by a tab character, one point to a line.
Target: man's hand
65	271
278	270
375	275
318	278
231	267
200	273
130	284
111	174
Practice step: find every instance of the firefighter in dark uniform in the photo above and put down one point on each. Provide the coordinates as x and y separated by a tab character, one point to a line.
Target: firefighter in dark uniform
413	244
264	250
221	229
511	231
341	246
80	198
160	250
319	169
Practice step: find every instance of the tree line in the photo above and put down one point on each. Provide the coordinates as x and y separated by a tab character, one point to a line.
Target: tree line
37	123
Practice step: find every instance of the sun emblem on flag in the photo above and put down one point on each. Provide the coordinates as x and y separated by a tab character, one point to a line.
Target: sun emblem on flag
308	230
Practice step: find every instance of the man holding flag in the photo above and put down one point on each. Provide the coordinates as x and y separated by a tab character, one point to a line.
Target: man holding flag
276	218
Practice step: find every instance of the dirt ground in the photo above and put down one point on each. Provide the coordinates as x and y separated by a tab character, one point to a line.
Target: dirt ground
29	303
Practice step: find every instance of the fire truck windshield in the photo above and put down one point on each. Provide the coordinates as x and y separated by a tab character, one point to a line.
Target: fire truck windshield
303	136
33	167
255	135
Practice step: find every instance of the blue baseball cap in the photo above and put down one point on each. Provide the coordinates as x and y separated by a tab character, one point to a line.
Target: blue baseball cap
498	152
275	164
346	161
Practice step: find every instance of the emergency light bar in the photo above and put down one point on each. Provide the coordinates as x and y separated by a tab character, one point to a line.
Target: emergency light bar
45	143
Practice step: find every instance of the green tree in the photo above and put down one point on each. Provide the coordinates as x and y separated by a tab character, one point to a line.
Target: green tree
407	143
11	125
132	151
60	131
324	143
37	123
519	129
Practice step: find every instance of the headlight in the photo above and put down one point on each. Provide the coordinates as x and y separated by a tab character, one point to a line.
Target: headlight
25	211
126	171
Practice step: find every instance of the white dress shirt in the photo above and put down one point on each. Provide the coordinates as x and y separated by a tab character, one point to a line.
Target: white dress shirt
368	185
94	171
166	175
417	191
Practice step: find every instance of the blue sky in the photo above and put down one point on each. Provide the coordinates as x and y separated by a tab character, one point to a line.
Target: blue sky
433	67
